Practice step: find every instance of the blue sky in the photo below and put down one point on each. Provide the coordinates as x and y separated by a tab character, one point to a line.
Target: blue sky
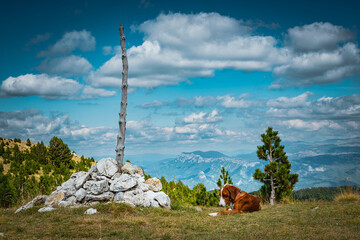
203	75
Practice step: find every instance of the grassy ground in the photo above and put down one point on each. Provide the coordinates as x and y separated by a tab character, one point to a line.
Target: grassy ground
303	220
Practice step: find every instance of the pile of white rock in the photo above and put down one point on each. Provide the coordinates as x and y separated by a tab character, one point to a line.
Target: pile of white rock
105	182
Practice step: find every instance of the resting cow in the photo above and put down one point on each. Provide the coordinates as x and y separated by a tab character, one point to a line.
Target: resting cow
238	201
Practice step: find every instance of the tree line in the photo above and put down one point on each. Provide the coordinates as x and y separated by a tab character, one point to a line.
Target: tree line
37	170
54	165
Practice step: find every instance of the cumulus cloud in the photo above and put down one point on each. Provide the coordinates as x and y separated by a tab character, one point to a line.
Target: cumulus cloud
177	47
319	68
41	85
36	126
49	87
89	92
226	101
202	117
67	66
325	108
70	41
318	36
286	102
310	125
235	102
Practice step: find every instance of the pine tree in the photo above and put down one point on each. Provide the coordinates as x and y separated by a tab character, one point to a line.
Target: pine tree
277	179
59	153
224	178
39	153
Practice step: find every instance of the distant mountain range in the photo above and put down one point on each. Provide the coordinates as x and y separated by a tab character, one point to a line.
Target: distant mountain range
330	164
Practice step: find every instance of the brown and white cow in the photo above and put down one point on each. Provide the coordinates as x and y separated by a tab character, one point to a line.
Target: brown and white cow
238	201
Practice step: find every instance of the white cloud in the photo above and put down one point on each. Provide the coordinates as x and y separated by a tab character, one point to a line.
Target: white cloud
318	36
318	68
286	102
196	47
42	85
70	41
325	108
310	125
90	92
202	117
49	87
67	66
232	102
318	169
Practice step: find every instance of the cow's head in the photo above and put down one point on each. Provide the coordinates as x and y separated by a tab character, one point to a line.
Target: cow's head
228	194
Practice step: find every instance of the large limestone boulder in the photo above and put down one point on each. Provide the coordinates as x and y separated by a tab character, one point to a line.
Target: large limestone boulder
151	196
68	187
37	200
96	187
137	198
123	183
154	184
107	167
80	178
129	168
162	199
54	198
106	196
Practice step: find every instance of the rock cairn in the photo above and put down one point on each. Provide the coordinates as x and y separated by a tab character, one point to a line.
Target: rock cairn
105	182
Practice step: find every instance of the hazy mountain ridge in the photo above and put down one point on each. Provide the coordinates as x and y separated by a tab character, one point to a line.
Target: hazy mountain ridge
330	167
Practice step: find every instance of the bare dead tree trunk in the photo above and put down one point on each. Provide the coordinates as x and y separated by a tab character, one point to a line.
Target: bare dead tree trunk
120	146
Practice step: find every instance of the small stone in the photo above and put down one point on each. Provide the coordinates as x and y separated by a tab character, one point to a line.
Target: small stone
143	186
68	202
46	209
90	211
80	194
198	209
54	198
154	184
129	168
140	171
116	175
119	196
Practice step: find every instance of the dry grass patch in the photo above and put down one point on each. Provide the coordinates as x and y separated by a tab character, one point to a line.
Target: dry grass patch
347	195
